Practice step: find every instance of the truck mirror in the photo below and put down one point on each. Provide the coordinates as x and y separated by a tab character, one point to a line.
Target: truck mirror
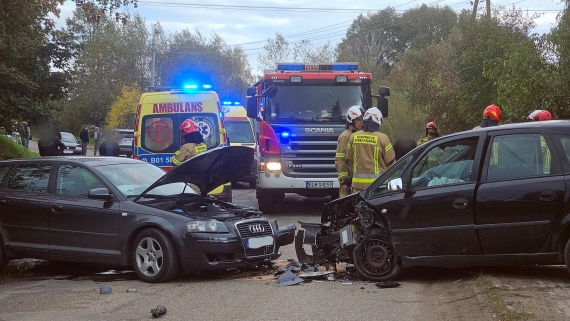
252	107
384	91
383	106
251	91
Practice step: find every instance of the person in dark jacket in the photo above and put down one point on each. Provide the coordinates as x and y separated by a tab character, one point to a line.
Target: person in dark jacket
84	136
50	144
404	143
110	146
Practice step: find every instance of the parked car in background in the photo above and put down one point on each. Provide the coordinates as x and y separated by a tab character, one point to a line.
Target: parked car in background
125	139
491	196
72	147
159	224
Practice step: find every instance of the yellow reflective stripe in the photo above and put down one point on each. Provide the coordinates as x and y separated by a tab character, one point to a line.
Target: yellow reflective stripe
387	148
355	160
340	155
376	170
200	149
342	174
365	139
177	153
363	180
175	162
543	144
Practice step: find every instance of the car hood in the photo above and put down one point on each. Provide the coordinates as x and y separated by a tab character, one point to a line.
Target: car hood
210	169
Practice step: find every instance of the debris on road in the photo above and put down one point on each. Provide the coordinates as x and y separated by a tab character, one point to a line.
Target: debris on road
288	278
158	311
131	290
105	289
387	284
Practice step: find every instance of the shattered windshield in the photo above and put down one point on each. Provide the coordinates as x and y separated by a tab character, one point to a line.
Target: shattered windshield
313	103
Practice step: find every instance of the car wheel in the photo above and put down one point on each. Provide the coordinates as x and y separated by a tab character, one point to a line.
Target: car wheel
252	184
374	258
154	256
3	259
567	255
266	201
129	155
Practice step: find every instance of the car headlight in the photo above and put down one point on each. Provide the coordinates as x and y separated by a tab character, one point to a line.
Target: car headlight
273	166
206	226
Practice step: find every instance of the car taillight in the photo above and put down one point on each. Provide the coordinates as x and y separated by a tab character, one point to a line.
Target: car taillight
268	142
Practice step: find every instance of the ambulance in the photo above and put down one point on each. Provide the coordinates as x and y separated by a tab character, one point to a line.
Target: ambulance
240	132
159	115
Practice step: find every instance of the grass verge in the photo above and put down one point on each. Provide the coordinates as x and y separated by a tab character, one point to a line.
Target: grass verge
500	308
9	150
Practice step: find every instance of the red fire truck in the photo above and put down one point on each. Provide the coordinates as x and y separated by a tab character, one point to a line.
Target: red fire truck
300	111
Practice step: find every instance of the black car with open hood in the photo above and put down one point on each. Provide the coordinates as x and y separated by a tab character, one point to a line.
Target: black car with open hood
158	224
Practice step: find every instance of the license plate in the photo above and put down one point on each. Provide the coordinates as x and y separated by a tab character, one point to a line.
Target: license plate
68	151
319	184
257	242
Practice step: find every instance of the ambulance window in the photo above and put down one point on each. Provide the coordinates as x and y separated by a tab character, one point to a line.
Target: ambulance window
157	135
239	131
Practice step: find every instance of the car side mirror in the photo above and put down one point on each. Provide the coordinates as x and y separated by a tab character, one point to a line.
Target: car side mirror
252	107
99	194
251	91
395	184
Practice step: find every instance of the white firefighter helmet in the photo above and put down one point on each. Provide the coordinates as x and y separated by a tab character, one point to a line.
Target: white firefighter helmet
374	114
353	113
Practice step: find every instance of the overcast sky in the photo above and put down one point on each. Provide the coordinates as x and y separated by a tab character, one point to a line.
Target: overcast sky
250	23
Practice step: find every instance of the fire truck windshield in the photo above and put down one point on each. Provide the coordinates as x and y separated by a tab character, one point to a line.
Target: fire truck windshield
314	103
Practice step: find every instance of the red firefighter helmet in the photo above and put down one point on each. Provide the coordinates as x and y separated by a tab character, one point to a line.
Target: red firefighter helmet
431	125
188	126
492	112
540	115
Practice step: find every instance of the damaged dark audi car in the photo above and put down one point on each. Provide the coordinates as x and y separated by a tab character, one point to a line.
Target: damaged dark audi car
486	197
124	212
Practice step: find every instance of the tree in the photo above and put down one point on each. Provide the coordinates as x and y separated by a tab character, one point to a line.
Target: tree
123	111
336	110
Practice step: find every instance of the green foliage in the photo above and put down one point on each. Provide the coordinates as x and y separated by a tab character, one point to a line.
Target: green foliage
336	110
124	109
9	150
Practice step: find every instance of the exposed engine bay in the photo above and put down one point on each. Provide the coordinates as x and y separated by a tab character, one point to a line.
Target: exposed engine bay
350	231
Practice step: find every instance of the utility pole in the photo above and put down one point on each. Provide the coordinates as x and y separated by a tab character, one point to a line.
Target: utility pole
475	4
153	61
489	9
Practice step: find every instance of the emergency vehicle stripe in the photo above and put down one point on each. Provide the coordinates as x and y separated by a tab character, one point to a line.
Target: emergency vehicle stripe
376	170
340	155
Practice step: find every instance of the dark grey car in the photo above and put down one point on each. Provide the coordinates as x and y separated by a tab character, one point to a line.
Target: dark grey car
125	212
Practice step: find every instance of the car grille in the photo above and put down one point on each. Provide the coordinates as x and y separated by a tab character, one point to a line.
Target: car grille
265	250
245	232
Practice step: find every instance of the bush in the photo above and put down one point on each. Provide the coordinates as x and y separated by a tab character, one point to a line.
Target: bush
9	149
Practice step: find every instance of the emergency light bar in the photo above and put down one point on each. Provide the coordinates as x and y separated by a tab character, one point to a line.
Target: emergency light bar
345	66
227	103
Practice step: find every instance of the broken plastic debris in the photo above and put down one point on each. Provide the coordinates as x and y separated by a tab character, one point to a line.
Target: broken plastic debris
387	284
288	278
346	283
330	277
158	311
105	289
131	290
314	274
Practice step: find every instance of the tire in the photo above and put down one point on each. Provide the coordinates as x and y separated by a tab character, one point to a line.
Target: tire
150	266
129	155
266	201
567	255
252	184
3	259
374	258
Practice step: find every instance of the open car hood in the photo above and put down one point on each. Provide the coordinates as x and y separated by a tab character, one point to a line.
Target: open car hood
210	169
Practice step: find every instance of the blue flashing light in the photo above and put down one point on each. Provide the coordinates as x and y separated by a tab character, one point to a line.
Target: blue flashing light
285	134
290	66
345	67
236	103
227	103
207	86
190	86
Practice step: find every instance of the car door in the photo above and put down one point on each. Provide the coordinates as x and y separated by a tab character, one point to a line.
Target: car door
521	193
82	226
434	215
25	208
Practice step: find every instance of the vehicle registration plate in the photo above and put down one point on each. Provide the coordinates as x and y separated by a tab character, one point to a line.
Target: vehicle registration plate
319	184
257	242
67	151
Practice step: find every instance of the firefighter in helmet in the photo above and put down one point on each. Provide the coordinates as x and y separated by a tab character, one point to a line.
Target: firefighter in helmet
369	151
431	133
491	117
353	124
539	115
193	143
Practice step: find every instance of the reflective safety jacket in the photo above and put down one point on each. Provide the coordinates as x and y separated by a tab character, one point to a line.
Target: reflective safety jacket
369	155
186	152
340	161
424	140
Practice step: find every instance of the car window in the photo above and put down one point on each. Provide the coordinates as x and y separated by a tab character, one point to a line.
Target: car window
30	178
518	155
446	163
75	181
565	141
3	171
239	131
393	172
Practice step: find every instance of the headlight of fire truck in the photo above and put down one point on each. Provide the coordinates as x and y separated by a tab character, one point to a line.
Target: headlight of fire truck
270	166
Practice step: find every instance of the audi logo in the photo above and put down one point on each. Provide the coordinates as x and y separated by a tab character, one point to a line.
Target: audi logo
256	228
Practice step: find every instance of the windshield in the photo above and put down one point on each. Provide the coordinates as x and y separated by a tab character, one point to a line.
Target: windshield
133	179
67	137
126	134
239	131
314	103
